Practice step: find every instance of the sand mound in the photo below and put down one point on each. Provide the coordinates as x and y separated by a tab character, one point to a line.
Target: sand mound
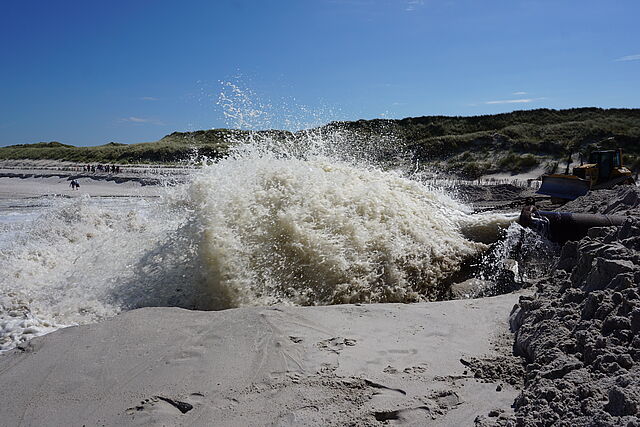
335	365
622	200
579	333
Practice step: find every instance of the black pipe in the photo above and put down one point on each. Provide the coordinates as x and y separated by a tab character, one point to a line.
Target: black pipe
560	227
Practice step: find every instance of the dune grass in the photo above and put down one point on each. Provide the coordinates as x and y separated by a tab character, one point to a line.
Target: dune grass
513	142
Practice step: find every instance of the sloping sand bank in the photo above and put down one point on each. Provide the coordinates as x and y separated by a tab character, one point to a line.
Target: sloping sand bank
332	365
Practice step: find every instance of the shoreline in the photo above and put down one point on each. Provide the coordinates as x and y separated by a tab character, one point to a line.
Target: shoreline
30	185
28	178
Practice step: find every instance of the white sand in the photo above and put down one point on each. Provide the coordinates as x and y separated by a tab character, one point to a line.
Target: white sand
331	365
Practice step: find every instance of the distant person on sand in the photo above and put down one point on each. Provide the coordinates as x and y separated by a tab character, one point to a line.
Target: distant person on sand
74	185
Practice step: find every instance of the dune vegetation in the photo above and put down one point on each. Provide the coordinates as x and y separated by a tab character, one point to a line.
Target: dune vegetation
467	146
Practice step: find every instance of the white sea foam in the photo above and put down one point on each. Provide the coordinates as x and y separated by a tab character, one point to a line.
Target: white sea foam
314	232
307	220
263	226
79	261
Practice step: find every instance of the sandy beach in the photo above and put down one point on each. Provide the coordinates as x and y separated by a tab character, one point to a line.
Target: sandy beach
37	179
367	364
445	363
334	365
59	186
358	213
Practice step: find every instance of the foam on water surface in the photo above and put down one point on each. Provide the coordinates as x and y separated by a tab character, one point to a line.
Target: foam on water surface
314	232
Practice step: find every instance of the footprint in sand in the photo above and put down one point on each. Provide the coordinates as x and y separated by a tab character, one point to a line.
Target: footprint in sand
383	389
177	405
406	414
446	399
336	344
419	369
328	368
390	370
416	370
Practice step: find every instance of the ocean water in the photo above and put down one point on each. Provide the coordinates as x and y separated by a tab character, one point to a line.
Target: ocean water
273	223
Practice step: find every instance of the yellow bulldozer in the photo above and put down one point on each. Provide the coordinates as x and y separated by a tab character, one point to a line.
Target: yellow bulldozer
604	170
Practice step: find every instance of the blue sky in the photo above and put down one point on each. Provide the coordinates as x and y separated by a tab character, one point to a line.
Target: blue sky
88	72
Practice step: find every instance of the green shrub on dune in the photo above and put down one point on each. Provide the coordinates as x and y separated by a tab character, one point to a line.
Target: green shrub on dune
514	142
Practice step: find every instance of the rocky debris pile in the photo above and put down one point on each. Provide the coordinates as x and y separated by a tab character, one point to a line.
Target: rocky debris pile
579	333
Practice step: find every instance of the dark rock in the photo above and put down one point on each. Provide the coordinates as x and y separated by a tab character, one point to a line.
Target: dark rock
560	367
635	321
590	306
625	360
621	402
573	295
604	270
568	257
613	323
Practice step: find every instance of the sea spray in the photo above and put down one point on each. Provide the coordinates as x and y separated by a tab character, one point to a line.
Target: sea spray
85	259
267	225
319	232
518	257
309	218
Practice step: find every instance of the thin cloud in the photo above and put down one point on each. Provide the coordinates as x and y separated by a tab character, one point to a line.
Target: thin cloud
511	101
413	5
367	5
149	98
519	93
141	120
352	2
136	120
629	58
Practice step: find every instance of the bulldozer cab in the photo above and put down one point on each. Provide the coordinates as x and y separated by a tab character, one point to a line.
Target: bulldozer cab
604	170
606	161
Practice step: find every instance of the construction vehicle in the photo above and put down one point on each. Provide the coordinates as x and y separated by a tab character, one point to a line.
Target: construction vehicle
604	170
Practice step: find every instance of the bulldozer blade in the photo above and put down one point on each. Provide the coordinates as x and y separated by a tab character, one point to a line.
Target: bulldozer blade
565	187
